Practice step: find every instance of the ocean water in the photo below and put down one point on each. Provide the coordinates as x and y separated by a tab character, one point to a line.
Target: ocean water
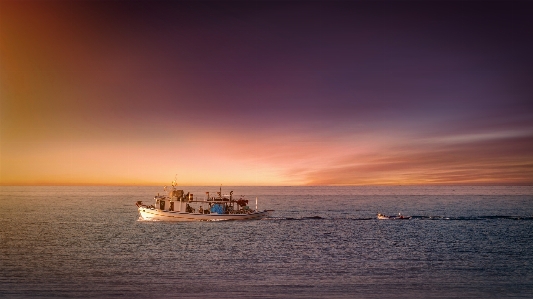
321	242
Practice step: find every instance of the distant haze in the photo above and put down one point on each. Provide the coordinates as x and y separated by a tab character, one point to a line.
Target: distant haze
266	92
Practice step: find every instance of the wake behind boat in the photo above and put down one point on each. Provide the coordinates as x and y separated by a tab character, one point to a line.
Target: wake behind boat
178	206
399	217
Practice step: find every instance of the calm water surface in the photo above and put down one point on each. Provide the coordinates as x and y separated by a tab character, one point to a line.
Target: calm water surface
322	242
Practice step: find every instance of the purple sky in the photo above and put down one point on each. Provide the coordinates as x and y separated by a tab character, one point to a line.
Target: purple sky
298	92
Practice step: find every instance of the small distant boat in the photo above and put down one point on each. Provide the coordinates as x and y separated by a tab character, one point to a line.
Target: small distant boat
178	206
382	216
399	217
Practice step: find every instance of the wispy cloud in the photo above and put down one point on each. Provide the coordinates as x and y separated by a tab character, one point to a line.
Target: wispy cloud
488	161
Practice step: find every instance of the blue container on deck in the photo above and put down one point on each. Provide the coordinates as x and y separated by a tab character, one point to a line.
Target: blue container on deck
218	208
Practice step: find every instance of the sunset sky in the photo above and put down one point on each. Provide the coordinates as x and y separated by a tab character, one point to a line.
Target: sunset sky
266	92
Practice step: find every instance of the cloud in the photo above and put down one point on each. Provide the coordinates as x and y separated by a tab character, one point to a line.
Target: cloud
489	161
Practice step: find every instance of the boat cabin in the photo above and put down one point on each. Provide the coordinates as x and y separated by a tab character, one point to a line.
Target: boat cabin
178	201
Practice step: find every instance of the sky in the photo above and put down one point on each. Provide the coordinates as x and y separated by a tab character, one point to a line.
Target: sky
266	92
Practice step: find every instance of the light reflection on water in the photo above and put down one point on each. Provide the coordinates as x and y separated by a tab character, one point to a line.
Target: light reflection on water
321	242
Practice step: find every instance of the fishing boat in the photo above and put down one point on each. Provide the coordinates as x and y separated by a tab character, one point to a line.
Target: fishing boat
178	206
399	217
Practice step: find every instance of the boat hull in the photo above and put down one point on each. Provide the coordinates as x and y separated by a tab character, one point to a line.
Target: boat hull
159	215
400	217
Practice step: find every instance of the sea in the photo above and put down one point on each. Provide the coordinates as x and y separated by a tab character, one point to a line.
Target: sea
320	242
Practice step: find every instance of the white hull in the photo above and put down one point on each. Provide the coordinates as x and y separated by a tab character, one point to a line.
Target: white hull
159	215
399	217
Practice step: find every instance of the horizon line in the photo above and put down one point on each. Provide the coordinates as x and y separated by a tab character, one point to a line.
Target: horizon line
281	185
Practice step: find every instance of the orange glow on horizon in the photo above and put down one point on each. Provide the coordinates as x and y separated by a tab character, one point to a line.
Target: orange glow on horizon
230	162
